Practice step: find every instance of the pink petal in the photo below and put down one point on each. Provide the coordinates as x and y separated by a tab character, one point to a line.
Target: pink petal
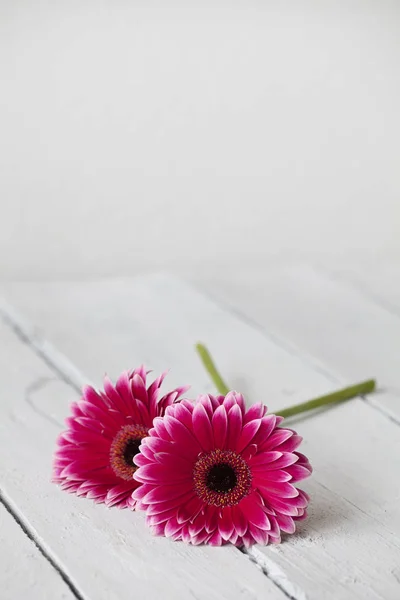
123	387
152	393
202	427
159	425
291	444
112	396
239	520
234	399
181	435
172	527
220	427
262	475
268	424
275	439
200	538
158	529
118	493
285	506
141	460
196	526
91	395
281	490
142	491
263	458
215	401
165	493
247	540
254	513
260	536
141	371
160	474
190	510
211	515
257	411
302	514
161	517
187	404
234	427
156	445
283	462
247	435
138	388
183	415
168	503
215	539
205	401
225	524
249	452
174	461
298	472
286	523
144	413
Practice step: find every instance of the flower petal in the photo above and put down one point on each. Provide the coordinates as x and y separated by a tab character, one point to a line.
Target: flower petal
202	427
220	427
234	427
247	435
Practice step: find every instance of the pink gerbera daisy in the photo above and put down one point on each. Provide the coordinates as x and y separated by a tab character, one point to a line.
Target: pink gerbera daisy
94	456
212	472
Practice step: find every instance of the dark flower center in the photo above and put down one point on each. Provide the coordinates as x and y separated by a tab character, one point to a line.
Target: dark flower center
124	448
131	449
221	478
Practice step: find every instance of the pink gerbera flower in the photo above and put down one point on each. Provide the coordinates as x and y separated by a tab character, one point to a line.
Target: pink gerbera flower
212	472
94	457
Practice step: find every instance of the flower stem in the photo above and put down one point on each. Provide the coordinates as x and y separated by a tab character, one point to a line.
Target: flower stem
212	369
365	387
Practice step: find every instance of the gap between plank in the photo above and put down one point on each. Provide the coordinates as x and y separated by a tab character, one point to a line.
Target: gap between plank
338	276
54	359
274	573
67	371
293	350
13	511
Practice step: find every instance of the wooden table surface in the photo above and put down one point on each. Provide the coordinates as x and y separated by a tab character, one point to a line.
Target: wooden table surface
301	332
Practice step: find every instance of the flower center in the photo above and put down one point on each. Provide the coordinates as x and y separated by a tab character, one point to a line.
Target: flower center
124	447
221	478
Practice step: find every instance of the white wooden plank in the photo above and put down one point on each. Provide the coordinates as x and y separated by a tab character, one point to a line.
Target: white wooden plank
155	320
25	572
335	326
378	280
106	553
354	448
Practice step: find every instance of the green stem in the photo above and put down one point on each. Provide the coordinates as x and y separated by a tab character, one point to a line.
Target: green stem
365	387
212	369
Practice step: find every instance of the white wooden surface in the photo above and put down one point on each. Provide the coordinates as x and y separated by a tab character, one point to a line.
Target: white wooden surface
24	568
55	336
337	320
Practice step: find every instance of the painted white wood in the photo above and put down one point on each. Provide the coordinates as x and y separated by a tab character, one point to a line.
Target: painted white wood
339	328
378	280
25	572
350	546
107	554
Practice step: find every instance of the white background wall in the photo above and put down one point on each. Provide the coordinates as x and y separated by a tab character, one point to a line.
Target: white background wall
208	138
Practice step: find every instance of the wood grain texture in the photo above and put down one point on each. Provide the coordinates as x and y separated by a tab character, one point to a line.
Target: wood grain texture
106	554
24	569
350	546
332	322
377	280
